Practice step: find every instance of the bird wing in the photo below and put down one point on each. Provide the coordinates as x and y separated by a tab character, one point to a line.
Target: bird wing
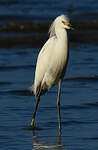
43	63
54	72
56	67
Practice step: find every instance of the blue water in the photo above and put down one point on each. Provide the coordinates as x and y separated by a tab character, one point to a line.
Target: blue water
79	96
45	10
79	102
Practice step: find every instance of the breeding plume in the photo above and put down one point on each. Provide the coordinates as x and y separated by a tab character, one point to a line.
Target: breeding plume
52	62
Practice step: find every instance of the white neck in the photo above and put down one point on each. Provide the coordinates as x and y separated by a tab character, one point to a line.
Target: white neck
61	33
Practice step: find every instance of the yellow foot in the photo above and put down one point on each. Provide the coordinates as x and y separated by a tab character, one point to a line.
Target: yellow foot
32	123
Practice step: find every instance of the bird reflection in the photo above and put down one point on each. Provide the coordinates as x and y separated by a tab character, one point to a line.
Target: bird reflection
38	144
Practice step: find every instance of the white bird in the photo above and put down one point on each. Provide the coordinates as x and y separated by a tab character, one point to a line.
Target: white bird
52	62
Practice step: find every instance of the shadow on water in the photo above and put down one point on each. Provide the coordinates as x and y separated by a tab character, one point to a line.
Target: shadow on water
39	142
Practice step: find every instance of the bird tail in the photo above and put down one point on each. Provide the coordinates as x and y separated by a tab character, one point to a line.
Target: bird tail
31	89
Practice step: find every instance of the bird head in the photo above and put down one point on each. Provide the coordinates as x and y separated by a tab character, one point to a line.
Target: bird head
63	22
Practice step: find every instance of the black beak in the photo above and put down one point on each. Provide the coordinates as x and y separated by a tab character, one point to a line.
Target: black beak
71	27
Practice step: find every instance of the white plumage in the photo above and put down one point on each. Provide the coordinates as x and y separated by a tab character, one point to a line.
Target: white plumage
52	59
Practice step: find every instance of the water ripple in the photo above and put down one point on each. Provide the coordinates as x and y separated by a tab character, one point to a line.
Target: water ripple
16	92
9	68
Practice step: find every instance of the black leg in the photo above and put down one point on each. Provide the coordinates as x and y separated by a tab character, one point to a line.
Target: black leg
34	114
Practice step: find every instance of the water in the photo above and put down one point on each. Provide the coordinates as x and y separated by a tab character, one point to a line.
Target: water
24	26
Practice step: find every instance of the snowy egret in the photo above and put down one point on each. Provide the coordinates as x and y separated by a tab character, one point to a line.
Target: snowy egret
52	62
